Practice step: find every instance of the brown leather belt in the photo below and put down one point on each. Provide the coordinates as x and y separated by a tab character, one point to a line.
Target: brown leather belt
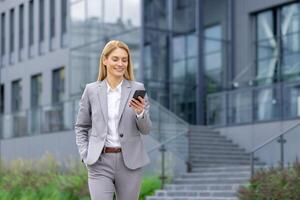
111	150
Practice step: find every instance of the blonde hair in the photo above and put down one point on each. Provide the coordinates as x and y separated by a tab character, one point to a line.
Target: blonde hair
108	48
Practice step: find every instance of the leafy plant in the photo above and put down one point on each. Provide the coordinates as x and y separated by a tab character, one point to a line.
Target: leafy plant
273	184
45	179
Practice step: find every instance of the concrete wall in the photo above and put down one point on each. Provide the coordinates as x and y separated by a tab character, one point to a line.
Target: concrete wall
52	58
253	135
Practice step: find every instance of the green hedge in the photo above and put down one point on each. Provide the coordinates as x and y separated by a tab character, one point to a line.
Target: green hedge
45	180
273	184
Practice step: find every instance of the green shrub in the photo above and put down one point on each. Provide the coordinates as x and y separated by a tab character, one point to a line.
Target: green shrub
45	179
273	184
148	187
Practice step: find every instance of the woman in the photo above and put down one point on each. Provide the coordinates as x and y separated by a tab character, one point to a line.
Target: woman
109	127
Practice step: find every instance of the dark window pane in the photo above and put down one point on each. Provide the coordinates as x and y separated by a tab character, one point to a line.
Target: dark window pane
16	96
31	22
36	91
41	20
58	85
12	30
2	99
21	26
2	33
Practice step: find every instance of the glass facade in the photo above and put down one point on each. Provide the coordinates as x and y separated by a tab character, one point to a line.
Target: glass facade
290	40
213	63
275	90
92	25
170	55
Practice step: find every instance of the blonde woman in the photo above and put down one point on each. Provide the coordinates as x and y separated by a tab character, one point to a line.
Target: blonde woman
109	126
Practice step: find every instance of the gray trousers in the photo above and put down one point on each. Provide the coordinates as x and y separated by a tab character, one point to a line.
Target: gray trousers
109	175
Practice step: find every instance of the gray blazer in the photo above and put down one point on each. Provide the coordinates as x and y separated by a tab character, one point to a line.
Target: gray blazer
91	124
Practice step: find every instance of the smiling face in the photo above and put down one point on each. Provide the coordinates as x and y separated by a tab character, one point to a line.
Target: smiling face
116	63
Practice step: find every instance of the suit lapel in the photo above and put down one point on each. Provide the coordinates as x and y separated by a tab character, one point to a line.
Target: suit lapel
125	92
102	96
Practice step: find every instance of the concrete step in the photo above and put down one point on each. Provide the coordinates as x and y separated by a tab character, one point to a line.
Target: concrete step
216	147
210	140
202	187
206	165
226	168
211	180
219	168
215	156
205	152
213	144
190	198
195	175
192	193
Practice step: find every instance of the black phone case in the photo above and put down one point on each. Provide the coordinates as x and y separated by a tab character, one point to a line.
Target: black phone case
140	93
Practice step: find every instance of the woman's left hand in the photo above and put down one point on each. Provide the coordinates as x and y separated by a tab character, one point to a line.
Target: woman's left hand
138	106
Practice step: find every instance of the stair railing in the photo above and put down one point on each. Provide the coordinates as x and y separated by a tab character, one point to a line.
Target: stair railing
285	137
171	134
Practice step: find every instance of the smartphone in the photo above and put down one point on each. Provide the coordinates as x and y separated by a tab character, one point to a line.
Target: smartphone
138	93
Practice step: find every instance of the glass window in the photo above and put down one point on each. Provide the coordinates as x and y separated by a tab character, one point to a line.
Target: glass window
41	20
184	16
21	26
179	47
36	91
2	99
3	34
213	54
63	16
216	109
290	30
291	101
156	14
267	105
16	96
58	85
266	48
52	19
31	22
240	107
12	30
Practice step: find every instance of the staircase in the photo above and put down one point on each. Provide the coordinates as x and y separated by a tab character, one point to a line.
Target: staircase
219	168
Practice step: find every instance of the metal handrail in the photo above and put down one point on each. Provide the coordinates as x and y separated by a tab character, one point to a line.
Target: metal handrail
282	141
163	149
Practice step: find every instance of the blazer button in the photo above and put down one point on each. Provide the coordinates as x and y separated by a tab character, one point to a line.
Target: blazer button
121	135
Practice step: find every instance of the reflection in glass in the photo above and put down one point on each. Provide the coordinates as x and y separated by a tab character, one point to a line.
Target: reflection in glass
184	16
215	109
240	107
292	101
290	30
213	54
266	48
267	104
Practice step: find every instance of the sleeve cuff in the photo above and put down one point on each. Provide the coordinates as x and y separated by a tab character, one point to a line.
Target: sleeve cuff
141	115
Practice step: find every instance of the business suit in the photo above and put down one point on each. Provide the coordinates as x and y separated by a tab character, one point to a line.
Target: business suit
91	131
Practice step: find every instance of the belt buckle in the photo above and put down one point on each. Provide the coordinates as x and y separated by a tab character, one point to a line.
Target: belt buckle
104	149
